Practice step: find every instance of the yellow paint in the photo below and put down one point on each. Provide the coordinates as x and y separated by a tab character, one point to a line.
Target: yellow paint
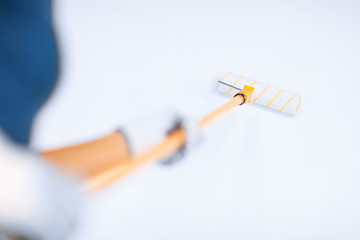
229	90
237	81
297	109
234	84
261	92
275	97
253	83
288	101
224	76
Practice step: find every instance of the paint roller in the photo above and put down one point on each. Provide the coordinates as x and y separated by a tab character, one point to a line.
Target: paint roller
264	94
240	88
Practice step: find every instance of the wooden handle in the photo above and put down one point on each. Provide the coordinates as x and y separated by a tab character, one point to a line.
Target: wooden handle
231	104
160	151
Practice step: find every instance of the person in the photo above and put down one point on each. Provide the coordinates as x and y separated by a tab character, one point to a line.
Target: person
38	192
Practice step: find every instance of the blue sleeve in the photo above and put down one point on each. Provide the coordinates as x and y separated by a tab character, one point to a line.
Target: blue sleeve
28	64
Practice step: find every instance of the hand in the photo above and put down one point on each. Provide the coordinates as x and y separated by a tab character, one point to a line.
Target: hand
36	202
146	132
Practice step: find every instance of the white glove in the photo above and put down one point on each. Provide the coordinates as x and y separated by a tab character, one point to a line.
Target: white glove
144	133
36	202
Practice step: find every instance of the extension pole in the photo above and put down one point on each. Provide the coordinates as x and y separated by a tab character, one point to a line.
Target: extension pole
160	151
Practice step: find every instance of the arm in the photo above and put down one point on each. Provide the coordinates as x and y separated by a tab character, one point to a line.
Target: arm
87	159
121	150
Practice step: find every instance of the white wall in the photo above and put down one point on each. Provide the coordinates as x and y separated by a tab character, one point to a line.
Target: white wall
257	175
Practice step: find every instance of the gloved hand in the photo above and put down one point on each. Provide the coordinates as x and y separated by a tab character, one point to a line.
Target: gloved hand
36	202
144	133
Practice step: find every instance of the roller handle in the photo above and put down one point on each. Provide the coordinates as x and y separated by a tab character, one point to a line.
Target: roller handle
163	149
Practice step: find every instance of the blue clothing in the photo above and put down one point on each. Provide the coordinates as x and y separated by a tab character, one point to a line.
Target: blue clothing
28	64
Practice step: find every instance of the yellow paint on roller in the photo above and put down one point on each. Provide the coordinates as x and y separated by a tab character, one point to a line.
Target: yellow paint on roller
275	97
297	109
288	102
234	84
224	77
237	81
253	83
261	92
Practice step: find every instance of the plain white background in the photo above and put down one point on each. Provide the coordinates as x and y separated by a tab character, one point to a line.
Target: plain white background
258	174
